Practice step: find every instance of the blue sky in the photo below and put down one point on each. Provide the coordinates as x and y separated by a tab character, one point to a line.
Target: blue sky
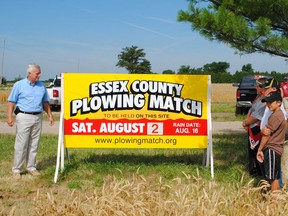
87	36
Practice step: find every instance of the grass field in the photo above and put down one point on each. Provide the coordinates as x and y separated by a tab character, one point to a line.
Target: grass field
140	181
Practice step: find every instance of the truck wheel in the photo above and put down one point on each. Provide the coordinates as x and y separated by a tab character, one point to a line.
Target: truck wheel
238	111
245	111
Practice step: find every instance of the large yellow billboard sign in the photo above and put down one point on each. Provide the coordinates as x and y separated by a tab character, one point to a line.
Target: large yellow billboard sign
136	111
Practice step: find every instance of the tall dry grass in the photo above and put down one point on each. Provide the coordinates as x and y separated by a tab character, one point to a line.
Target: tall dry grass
4	95
221	92
143	196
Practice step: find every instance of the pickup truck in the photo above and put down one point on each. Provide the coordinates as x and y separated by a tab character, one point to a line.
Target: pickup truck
54	92
245	93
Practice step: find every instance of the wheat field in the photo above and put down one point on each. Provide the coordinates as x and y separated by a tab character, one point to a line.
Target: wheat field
4	95
140	197
223	92
220	92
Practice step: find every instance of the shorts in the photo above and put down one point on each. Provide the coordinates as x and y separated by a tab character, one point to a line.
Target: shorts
272	165
285	102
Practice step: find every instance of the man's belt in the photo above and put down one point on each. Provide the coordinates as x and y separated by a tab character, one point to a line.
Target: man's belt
31	113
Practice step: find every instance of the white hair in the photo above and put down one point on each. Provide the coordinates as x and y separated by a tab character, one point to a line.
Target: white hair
31	67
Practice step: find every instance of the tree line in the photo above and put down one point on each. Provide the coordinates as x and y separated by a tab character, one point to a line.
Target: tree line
134	61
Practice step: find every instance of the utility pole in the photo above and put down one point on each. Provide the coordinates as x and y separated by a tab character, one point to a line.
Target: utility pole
2	65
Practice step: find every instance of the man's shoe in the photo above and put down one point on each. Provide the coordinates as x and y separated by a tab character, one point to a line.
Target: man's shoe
16	175
34	173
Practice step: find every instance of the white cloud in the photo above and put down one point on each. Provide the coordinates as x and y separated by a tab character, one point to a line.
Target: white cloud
149	30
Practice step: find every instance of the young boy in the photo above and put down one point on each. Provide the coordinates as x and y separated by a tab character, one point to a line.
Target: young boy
271	146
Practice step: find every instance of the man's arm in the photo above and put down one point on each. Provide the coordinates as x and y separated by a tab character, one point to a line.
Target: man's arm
47	109
264	140
11	107
248	121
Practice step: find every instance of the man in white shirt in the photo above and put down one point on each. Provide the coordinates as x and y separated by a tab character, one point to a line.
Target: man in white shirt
271	85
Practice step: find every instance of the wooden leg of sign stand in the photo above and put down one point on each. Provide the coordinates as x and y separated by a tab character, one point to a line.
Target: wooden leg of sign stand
67	155
204	160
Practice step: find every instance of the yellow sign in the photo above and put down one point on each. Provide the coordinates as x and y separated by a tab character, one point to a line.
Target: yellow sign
135	110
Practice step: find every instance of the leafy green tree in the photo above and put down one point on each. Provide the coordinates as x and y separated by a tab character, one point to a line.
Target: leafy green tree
184	69
4	81
248	25
17	78
168	72
216	67
133	59
145	67
247	68
239	74
198	71
221	78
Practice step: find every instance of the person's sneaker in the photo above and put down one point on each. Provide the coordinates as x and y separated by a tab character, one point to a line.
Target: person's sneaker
34	173
16	175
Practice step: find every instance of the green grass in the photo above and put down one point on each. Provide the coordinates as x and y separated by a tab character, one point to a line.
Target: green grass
229	160
225	112
223	107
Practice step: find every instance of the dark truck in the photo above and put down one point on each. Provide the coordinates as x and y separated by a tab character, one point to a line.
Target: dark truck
245	93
